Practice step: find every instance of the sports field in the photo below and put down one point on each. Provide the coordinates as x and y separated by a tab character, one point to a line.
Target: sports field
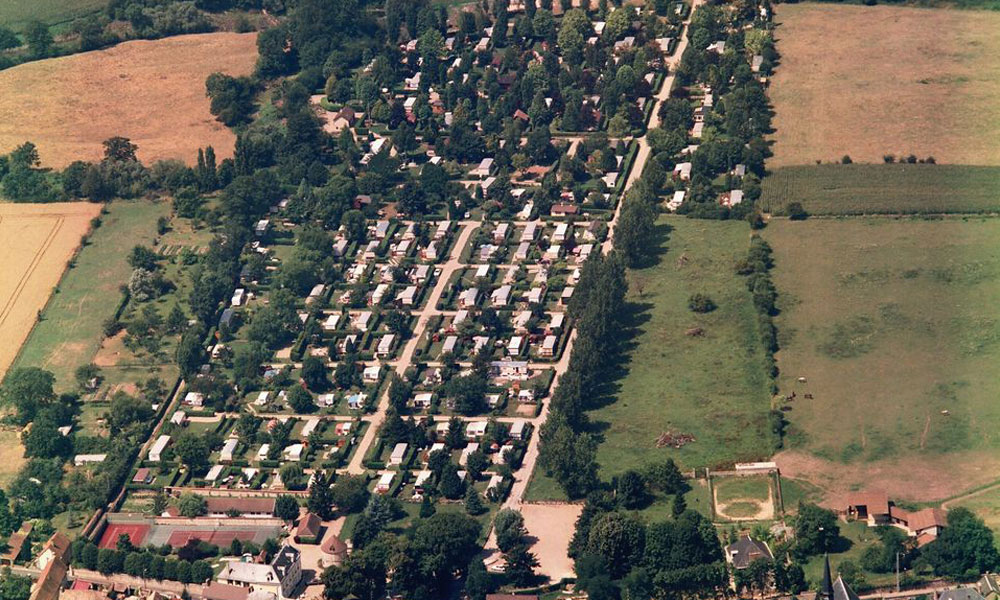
37	240
743	498
872	80
892	323
72	324
152	92
18	13
879	189
713	385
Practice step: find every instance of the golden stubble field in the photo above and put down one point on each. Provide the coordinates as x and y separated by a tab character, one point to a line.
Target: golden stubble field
868	81
37	241
150	91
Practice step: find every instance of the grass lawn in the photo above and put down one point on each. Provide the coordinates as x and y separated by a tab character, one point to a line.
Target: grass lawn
892	324
728	489
71	327
874	189
18	13
713	386
859	537
11	455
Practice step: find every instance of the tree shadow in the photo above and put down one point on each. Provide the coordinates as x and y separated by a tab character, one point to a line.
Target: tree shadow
659	239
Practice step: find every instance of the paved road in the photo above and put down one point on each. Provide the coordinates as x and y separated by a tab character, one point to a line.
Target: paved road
403	362
523	475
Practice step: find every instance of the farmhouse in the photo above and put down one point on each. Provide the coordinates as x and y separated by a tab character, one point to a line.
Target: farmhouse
871	506
746	550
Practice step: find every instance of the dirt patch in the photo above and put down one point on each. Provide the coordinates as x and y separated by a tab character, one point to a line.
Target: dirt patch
152	92
551	528
38	241
871	80
939	477
741	508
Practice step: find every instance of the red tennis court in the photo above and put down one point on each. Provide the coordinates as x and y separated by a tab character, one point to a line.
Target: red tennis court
218	538
136	534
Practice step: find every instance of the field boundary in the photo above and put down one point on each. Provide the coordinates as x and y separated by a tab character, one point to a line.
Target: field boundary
84	240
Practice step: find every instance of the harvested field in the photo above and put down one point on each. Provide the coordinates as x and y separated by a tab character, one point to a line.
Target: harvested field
152	92
37	240
872	80
892	324
883	189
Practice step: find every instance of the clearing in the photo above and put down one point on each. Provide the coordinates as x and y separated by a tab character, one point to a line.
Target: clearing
38	240
551	527
152	92
891	323
873	80
71	329
713	385
873	189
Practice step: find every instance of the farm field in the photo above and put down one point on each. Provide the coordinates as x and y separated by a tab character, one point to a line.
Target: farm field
71	329
712	386
38	240
884	80
152	92
873	189
18	13
891	323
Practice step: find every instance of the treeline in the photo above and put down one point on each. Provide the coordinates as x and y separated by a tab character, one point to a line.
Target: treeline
567	449
756	267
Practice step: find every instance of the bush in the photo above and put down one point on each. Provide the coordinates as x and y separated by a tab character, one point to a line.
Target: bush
846	160
701	303
796	212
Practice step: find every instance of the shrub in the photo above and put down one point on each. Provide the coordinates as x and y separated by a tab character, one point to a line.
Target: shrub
796	212
701	303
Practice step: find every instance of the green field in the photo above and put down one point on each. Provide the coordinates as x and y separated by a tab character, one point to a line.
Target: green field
18	13
70	330
986	505
892	324
713	386
728	489
881	189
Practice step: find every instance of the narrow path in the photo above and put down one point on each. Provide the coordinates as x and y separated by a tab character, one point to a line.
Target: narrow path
454	263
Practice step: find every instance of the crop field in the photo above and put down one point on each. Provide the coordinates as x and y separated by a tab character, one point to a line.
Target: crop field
713	385
71	328
38	240
892	327
873	80
18	13
152	92
878	189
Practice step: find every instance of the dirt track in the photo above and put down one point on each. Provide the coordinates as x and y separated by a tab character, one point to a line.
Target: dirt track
150	91
37	242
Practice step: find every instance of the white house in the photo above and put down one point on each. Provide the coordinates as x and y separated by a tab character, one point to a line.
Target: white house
279	577
228	449
398	453
384	482
159	446
475	429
